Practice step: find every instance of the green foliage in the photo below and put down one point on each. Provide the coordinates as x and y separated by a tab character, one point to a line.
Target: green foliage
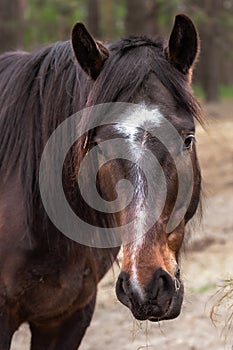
198	91
50	20
167	11
119	16
226	91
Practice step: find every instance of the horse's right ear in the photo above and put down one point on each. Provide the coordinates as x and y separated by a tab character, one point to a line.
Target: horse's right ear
90	54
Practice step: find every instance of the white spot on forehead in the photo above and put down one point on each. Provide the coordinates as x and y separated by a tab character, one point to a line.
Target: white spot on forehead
143	116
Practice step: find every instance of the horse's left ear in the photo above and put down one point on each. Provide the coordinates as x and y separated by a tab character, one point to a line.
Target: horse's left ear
183	46
90	54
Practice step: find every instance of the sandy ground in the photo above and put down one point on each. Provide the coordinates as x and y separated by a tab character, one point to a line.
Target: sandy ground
207	260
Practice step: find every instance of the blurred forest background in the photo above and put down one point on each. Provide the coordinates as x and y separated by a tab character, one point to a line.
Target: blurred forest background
28	24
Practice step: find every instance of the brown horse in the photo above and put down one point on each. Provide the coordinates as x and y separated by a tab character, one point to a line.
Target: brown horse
46	278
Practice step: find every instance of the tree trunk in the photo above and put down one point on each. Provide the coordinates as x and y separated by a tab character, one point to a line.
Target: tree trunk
93	17
210	65
107	13
152	18
11	18
136	17
211	58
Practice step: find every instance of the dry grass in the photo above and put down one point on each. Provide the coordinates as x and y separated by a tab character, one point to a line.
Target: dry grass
223	307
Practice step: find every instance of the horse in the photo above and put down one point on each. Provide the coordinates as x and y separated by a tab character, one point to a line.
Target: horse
48	278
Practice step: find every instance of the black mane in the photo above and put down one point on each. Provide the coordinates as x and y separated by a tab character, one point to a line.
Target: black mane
38	91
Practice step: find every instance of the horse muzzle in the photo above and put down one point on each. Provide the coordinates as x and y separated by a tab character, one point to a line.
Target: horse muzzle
160	300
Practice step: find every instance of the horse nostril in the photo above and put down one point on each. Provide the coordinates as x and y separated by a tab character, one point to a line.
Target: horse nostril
125	286
122	289
161	286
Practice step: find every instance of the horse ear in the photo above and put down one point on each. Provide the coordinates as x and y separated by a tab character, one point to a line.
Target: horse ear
90	54
183	46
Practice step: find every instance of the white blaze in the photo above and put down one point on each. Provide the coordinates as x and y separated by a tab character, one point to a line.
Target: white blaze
146	119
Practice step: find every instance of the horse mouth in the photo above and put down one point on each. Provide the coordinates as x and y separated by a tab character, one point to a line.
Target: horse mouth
167	314
171	310
165	305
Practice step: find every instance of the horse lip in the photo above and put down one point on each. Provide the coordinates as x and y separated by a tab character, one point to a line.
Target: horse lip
169	314
154	319
169	307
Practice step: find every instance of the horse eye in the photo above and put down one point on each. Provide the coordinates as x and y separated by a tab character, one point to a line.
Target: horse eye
188	142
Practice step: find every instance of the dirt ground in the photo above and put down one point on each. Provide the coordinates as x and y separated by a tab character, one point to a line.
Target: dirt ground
205	263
